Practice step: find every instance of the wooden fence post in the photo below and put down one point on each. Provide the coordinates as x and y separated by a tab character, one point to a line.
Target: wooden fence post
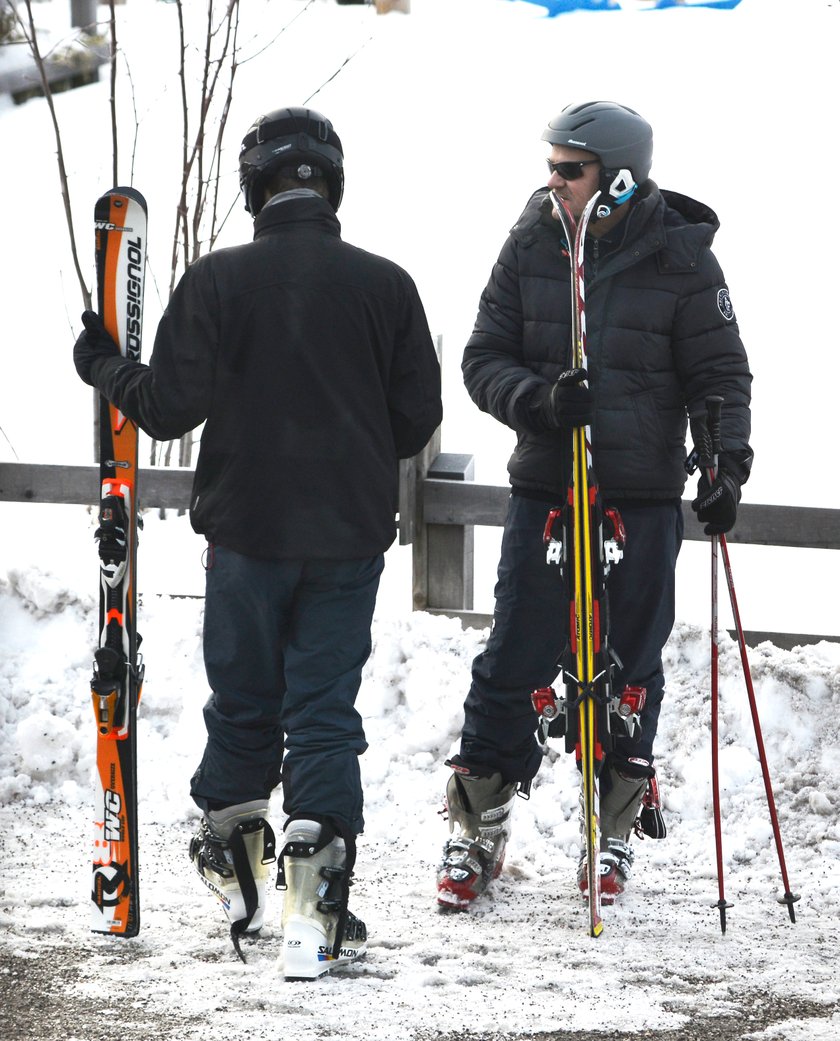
83	15
413	530
442	554
450	547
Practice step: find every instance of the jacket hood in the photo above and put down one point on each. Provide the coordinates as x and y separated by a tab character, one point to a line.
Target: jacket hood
692	211
689	227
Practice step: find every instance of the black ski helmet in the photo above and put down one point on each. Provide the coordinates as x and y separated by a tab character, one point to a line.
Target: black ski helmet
296	137
618	135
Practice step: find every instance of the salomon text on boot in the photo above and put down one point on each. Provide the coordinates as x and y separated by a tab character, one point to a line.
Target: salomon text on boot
231	853
315	868
480	808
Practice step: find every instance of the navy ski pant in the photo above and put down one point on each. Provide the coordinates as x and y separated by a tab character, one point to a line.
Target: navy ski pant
285	643
530	633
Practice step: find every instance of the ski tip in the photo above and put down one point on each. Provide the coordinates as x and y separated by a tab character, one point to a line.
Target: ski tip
129	193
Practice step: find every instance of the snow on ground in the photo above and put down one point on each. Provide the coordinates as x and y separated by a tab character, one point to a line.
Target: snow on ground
440	113
522	962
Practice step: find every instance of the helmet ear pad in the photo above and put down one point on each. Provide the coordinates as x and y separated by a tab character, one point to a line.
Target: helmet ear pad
617	185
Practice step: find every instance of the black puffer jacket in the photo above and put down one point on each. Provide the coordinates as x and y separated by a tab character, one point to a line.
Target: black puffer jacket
312	363
661	336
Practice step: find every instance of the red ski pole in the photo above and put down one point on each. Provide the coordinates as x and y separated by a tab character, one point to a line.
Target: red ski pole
789	897
706	433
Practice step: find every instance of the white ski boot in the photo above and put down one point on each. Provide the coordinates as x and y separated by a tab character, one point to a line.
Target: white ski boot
319	933
231	853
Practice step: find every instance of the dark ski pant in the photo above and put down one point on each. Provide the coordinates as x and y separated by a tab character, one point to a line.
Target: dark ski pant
530	633
285	643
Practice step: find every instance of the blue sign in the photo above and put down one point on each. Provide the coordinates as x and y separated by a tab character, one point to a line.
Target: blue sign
555	7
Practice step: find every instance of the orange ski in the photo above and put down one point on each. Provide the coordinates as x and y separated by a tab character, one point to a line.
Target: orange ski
120	220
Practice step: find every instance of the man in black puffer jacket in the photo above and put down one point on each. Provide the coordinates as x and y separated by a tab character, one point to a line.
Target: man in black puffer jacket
661	336
311	364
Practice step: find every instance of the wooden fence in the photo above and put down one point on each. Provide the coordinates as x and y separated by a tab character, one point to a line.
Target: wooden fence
441	505
439	508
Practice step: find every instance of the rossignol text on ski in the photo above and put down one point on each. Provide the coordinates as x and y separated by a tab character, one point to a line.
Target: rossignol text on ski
120	217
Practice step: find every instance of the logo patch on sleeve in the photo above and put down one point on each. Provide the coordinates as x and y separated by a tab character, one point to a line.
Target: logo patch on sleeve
725	305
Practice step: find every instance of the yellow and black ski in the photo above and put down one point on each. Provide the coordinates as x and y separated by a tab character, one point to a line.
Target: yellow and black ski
586	557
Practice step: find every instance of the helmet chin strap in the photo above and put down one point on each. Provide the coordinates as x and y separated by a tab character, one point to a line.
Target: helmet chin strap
617	186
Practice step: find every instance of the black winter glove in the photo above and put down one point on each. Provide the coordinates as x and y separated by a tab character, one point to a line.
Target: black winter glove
717	505
94	345
564	404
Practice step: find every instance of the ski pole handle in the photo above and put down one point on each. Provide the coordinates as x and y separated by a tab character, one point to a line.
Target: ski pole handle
714	404
705	432
702	443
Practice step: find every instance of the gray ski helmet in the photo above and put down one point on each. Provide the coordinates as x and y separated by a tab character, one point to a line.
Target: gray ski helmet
616	134
290	137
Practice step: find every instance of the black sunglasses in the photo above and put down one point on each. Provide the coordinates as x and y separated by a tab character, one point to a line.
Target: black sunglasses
570	171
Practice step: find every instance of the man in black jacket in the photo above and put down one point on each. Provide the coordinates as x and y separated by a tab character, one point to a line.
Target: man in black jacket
661	336
311	364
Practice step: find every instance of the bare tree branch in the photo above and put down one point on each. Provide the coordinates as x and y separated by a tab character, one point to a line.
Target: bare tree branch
341	67
181	210
136	120
32	39
114	145
200	172
230	45
274	39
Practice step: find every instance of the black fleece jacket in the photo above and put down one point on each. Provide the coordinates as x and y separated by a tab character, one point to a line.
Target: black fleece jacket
311	364
661	335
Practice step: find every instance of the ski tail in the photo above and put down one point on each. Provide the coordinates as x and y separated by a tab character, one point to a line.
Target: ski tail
120	218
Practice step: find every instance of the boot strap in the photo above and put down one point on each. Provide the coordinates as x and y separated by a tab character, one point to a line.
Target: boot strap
245	875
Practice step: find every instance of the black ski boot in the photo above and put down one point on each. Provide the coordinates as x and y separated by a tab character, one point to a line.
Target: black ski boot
473	857
620	811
